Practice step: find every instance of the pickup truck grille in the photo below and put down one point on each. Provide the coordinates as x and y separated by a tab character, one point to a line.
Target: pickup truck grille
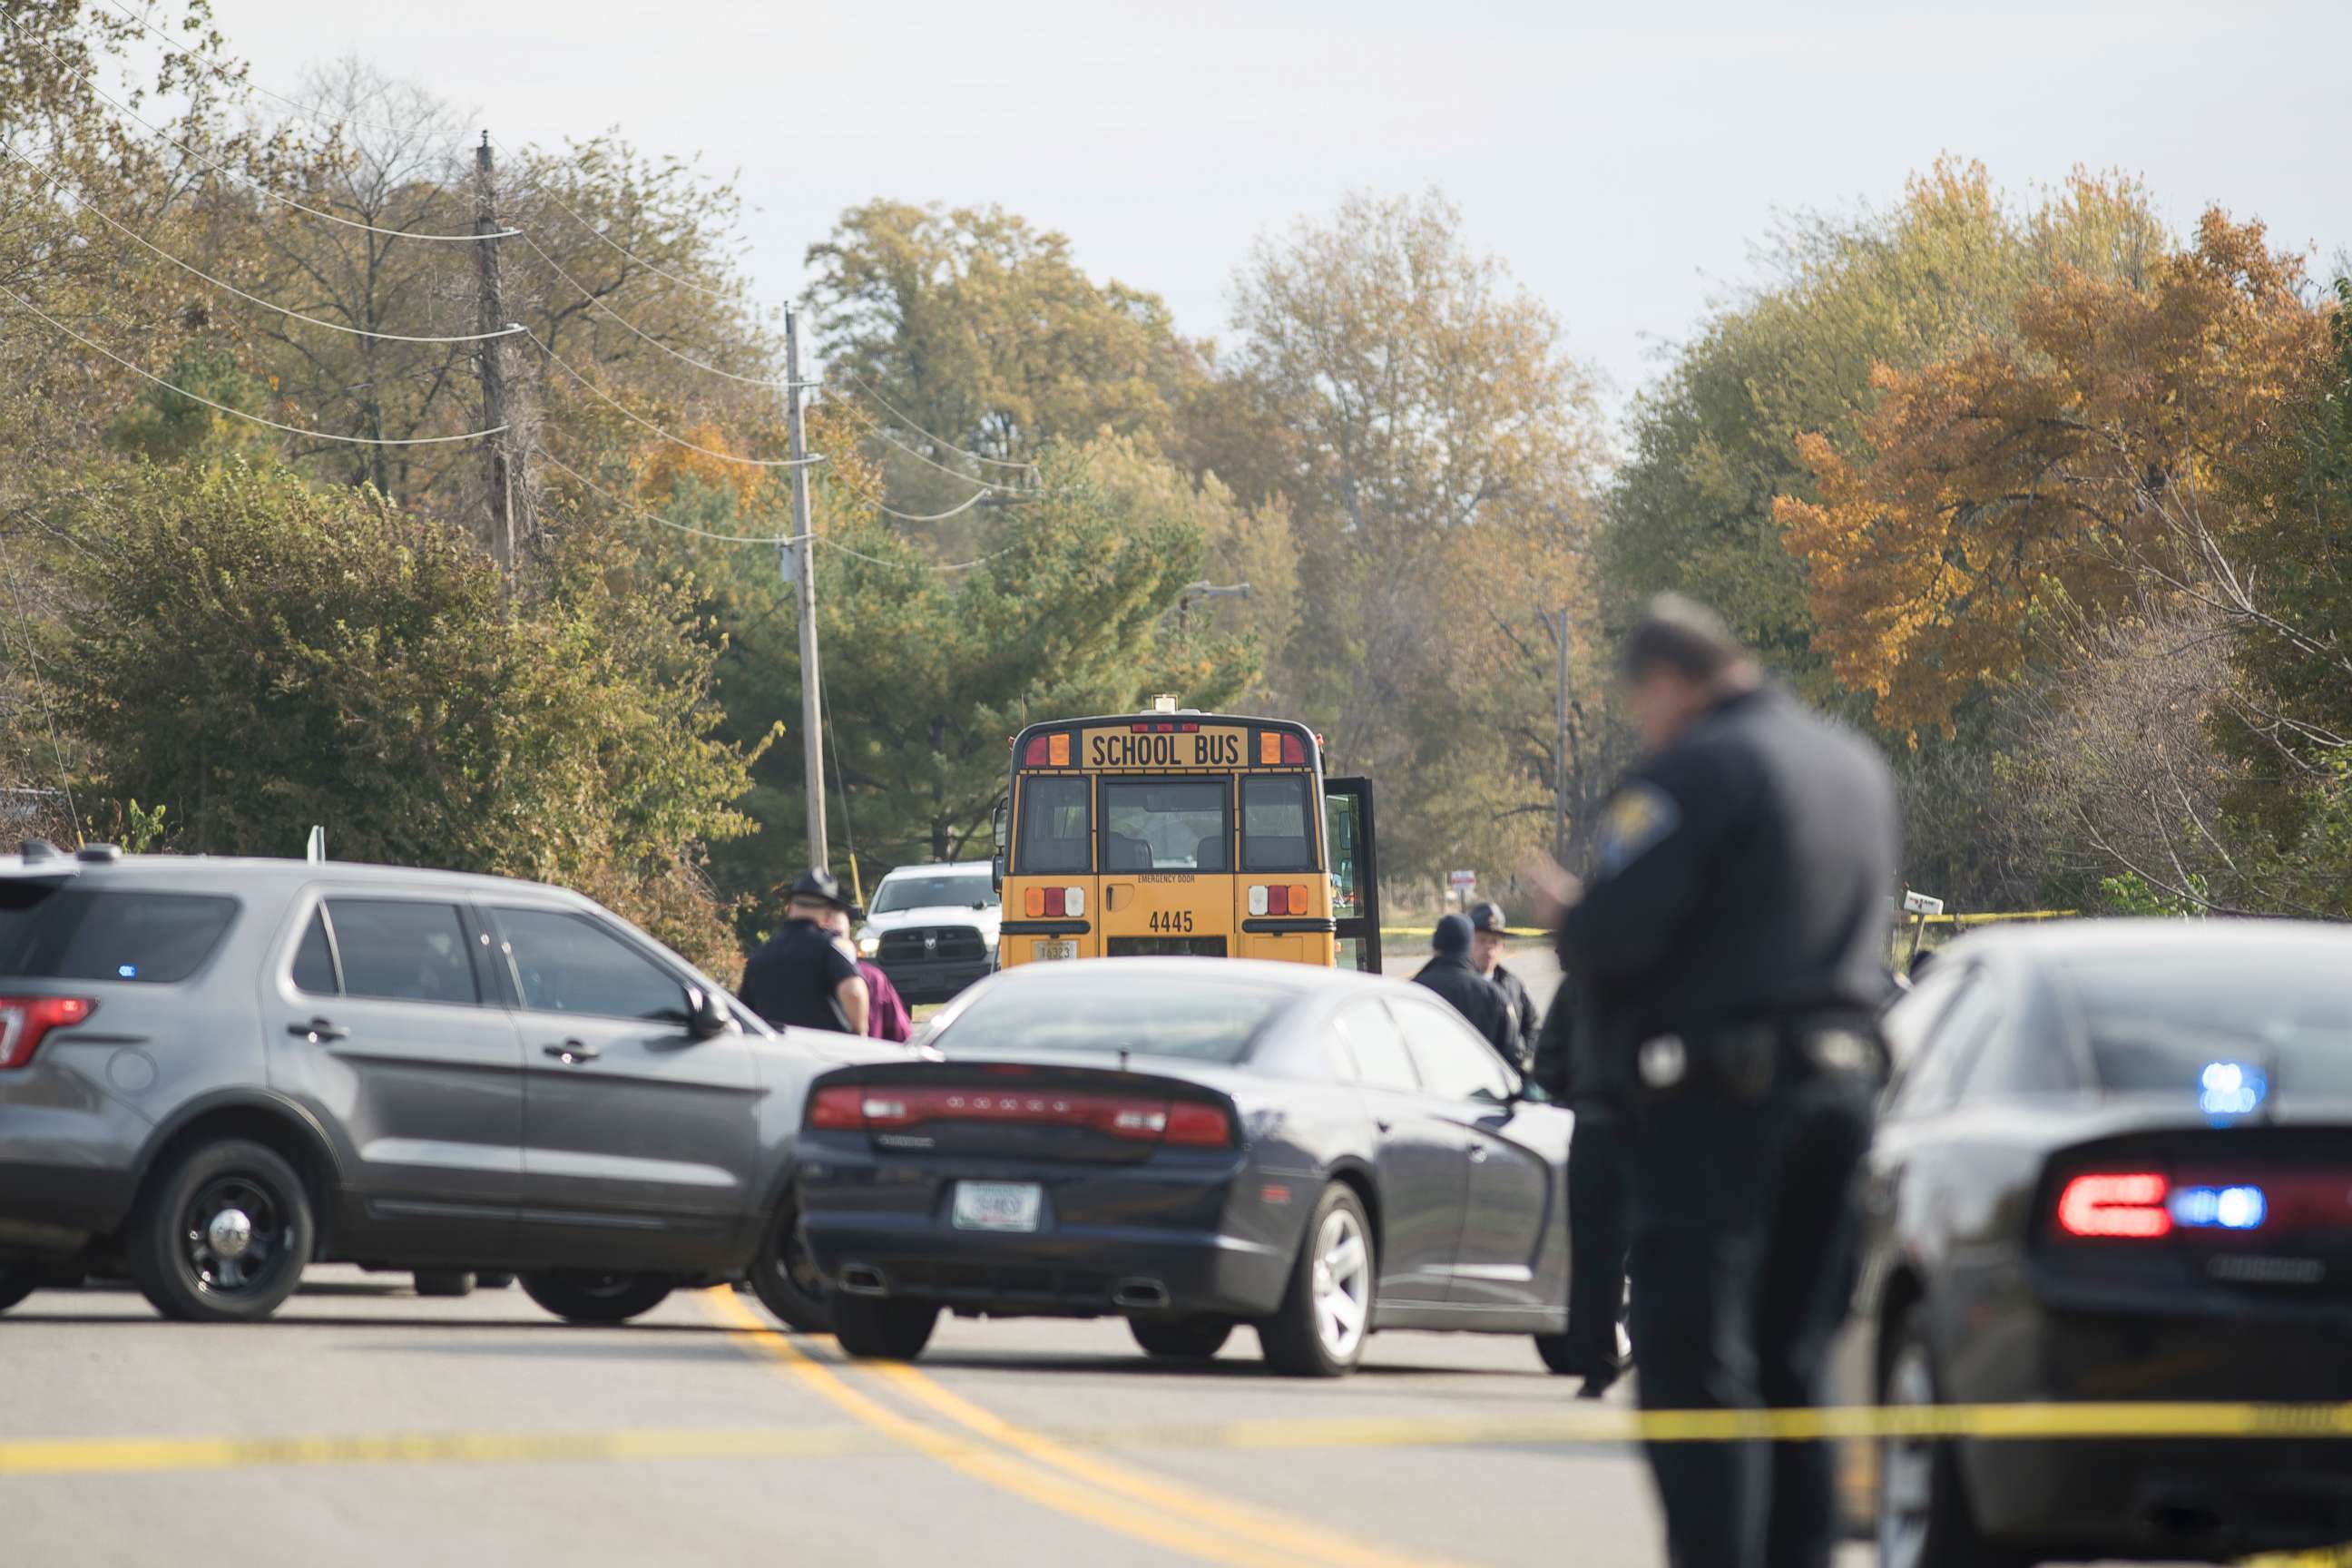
924	944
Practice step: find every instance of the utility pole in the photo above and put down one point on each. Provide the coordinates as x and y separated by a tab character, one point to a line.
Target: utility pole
799	561
499	448
1559	749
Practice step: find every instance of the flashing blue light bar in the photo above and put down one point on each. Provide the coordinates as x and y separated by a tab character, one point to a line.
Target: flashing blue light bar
2230	1089
2219	1208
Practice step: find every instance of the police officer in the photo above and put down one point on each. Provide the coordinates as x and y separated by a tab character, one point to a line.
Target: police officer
1487	929
806	975
1449	973
1732	935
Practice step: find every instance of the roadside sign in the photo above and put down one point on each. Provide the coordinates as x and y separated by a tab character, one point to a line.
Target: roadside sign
1464	881
1921	904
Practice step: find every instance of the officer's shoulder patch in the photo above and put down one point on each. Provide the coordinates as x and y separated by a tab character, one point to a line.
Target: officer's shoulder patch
1637	819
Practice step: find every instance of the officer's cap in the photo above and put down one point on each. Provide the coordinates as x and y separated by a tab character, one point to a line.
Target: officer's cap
818	886
1488	917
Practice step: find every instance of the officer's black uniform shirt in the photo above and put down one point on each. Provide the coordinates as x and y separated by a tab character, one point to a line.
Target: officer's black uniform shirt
792	979
1526	1021
1741	875
1477	998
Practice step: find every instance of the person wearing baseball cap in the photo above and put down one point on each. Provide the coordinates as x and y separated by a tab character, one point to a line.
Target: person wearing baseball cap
806	975
1487	930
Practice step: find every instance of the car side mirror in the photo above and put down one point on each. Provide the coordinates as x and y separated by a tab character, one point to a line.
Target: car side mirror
705	1014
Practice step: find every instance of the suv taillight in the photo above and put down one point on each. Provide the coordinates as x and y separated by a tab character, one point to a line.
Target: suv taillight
25	1020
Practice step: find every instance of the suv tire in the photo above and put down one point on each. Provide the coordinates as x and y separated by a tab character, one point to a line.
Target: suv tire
785	1279
443	1282
17	1281
1932	1526
583	1298
883	1327
1186	1338
222	1235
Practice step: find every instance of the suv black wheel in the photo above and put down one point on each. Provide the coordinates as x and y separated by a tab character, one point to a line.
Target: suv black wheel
881	1328
1923	1518
784	1276
443	1282
224	1235
1326	1314
1186	1338
17	1281
579	1298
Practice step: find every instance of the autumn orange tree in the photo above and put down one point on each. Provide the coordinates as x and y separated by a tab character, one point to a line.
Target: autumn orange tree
2074	463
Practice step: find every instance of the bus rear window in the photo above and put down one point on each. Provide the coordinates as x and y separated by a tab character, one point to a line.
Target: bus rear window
1167	824
49	933
1056	830
1276	834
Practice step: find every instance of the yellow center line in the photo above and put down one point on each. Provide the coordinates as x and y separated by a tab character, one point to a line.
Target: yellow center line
1207	1539
1297	1536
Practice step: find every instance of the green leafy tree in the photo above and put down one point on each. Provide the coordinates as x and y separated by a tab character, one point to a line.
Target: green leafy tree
265	655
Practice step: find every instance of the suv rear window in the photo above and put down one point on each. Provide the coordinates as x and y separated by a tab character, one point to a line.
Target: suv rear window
49	933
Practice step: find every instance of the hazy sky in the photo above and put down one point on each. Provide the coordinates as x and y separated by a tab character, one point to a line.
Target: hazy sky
1622	159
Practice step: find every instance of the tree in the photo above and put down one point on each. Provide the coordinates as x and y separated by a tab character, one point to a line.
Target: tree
2074	463
263	656
1438	465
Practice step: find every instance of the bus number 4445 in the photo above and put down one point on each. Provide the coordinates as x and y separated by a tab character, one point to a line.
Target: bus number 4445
1174	922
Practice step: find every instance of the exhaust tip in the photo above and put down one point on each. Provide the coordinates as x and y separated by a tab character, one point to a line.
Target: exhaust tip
862	1280
1139	1295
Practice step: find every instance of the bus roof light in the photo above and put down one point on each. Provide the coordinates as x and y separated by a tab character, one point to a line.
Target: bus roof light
1035	754
1057	749
1294	751
1269	749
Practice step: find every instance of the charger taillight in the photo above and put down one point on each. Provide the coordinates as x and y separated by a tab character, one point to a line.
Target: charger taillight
25	1020
2116	1205
1186	1124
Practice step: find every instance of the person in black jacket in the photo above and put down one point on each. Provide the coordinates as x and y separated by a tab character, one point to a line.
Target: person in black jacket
1449	973
1487	930
1732	941
806	976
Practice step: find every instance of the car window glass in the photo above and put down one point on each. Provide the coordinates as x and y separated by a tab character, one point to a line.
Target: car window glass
314	960
2160	1024
1375	1048
1908	1022
1275	835
1055	827
403	950
566	962
1932	1081
961	891
1166	824
119	933
1454	1063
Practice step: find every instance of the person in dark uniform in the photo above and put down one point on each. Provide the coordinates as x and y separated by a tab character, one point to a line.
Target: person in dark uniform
1733	937
1448	972
1571	1069
806	975
1487	930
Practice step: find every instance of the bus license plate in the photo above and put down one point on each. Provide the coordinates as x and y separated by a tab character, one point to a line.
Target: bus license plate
998	1205
1056	949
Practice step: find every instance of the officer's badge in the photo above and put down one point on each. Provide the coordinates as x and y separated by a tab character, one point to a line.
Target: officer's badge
1639	818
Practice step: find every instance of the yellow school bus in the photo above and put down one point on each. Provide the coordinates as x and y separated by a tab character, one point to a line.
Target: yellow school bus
1177	832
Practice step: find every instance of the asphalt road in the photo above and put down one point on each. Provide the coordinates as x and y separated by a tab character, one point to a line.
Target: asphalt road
368	1426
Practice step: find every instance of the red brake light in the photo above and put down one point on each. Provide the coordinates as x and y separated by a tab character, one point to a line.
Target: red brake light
1034	755
1194	1125
2116	1205
1294	751
1056	903
1277	901
840	1107
24	1020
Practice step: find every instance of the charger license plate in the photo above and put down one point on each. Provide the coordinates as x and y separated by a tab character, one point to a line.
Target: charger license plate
1056	949
998	1205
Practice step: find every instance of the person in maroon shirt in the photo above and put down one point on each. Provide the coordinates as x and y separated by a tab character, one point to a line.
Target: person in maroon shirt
887	1017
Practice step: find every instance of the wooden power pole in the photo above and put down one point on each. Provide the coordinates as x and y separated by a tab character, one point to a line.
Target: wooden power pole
800	562
1560	749
501	448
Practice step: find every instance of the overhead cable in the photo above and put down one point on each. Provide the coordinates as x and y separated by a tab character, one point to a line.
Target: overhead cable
554	201
239	412
899	414
590	295
636	419
216	167
83	205
554	462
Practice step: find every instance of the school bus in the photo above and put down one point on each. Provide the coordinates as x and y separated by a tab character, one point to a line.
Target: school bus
1178	832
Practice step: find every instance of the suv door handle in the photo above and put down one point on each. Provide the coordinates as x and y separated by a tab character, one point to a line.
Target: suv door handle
317	1031
1477	1154
571	1053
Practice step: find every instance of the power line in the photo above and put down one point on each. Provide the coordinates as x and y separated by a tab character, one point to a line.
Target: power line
84	206
239	412
768	539
899	414
590	295
988	486
598	234
191	152
626	412
917	565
